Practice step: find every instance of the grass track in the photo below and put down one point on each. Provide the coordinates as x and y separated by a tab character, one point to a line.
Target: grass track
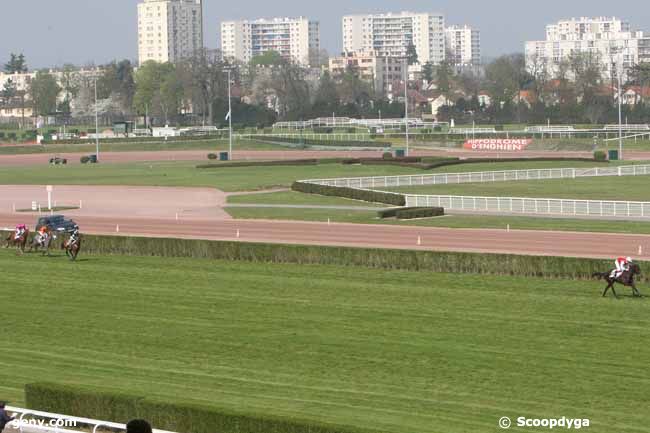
185	174
209	145
633	188
396	351
450	221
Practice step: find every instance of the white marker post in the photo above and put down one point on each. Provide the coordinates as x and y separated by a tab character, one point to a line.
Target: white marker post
49	196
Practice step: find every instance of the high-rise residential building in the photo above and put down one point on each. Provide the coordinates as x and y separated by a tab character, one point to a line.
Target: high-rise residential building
610	39
169	30
389	35
379	71
297	39
463	45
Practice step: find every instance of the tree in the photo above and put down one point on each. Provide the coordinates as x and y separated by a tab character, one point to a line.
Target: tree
117	81
288	82
505	77
205	80
411	54
16	64
587	75
444	75
43	91
353	90
640	76
428	70
326	100
269	58
158	89
9	90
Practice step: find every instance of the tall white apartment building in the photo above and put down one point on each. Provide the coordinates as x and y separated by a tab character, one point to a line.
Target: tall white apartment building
611	39
463	45
389	35
169	30
297	39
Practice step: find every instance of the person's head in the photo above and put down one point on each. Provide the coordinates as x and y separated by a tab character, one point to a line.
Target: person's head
629	259
2	404
138	426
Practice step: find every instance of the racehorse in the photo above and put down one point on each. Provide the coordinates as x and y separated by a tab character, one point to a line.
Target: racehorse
626	279
18	243
72	250
36	243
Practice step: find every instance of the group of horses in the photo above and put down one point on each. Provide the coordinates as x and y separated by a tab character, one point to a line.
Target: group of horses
35	244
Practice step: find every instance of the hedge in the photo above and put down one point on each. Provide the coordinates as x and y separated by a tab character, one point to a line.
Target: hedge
430	261
186	417
135	140
352	193
315	142
496	160
425	212
411	212
383	160
260	163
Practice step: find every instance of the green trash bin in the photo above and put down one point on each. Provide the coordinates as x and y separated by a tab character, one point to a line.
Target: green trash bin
223	156
613	155
400	153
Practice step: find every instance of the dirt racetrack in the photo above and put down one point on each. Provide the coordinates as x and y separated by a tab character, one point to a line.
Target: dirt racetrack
595	245
150	211
201	155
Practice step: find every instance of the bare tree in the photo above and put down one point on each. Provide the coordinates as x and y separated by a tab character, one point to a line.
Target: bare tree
205	80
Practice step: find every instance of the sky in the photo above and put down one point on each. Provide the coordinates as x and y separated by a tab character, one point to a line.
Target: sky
82	32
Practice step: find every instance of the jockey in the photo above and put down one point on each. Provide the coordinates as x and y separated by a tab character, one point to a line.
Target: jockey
74	236
622	265
43	234
20	231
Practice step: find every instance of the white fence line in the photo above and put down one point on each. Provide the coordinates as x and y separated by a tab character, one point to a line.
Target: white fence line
516	205
534	206
22	415
482	177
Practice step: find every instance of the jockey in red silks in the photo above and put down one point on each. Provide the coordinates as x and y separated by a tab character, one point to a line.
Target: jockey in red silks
20	230
622	265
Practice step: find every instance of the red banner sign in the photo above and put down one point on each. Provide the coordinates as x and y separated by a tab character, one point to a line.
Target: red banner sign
498	144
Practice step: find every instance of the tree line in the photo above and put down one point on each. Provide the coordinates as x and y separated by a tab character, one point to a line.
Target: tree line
271	88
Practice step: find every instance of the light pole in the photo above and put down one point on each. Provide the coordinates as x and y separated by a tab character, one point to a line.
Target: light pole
229	117
96	123
619	67
406	109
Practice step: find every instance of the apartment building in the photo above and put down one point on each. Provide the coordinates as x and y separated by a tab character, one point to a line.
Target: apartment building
610	39
169	30
463	45
389	35
380	71
296	39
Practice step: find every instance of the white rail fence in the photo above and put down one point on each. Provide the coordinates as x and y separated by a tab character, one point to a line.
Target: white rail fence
515	205
482	177
534	206
61	423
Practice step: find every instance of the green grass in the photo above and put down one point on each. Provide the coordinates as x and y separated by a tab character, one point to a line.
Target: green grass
525	165
296	198
392	351
209	145
185	174
449	221
633	188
